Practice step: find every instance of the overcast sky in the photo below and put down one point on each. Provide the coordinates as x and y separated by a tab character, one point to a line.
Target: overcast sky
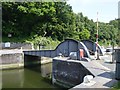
107	9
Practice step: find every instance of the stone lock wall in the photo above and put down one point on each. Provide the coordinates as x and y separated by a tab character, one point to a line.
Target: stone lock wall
68	73
13	60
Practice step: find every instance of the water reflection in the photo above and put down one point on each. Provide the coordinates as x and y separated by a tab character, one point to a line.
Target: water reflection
13	78
28	77
0	79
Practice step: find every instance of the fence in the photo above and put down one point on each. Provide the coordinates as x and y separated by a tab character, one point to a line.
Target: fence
9	45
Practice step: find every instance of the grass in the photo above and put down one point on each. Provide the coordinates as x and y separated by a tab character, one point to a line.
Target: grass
116	86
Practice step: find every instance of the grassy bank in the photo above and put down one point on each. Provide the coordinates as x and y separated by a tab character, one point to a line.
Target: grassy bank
117	86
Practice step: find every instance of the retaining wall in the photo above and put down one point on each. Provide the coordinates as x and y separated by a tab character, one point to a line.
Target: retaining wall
11	59
68	73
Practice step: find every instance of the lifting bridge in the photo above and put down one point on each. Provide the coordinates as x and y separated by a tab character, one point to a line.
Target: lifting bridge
66	47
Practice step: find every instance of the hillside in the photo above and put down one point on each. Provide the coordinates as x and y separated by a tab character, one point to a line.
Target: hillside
52	21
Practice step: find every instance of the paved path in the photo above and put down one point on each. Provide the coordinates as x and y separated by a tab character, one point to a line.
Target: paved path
106	61
10	51
109	65
104	75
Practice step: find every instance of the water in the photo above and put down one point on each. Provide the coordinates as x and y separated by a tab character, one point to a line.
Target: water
33	77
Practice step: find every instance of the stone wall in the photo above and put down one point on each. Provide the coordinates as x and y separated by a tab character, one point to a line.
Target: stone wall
68	73
13	60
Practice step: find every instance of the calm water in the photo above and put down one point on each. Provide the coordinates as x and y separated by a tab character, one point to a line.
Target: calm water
34	77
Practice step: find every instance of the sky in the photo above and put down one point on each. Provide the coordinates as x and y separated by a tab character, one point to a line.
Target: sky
107	9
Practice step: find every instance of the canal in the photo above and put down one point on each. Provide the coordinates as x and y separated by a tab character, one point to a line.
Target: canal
38	76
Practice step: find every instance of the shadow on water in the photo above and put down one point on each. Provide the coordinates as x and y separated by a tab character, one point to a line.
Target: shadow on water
34	67
27	78
34	75
45	71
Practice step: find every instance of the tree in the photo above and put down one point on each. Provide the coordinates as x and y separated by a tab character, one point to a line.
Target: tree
85	34
52	19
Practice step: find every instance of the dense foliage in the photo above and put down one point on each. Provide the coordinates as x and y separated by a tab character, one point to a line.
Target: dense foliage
54	20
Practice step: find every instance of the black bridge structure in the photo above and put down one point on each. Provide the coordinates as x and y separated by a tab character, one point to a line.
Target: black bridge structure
66	47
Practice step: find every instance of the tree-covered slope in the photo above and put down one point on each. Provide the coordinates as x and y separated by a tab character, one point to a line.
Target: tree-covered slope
56	20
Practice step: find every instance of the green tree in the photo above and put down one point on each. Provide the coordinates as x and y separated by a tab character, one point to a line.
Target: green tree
85	34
